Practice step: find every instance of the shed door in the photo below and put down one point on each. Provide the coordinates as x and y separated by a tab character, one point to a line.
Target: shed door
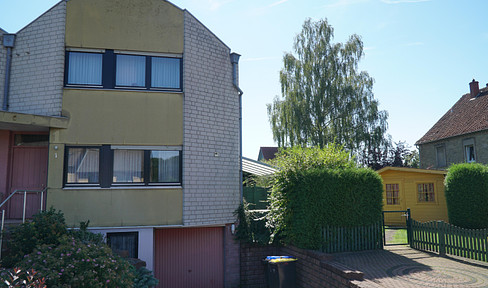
189	257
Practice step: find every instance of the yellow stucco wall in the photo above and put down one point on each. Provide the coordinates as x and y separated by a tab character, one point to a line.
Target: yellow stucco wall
119	207
420	211
142	25
121	117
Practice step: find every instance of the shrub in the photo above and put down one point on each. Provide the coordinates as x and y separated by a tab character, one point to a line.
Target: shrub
318	187
252	225
144	279
46	227
467	195
73	263
21	278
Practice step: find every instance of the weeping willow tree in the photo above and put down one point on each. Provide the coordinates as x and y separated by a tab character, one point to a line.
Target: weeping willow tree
325	99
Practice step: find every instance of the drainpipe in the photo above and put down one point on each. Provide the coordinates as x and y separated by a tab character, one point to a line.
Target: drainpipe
234	59
8	42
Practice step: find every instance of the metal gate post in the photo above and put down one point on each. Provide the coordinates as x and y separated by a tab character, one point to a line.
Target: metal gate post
409	227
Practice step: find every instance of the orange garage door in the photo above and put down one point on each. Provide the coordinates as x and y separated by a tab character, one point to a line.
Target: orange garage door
189	257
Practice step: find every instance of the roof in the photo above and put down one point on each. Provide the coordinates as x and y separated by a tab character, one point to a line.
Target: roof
267	153
413	170
256	168
468	115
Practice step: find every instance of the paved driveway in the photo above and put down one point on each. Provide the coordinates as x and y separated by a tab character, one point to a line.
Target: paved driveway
401	266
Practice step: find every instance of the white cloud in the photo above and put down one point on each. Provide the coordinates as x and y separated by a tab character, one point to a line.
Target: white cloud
403	1
415	44
216	4
342	3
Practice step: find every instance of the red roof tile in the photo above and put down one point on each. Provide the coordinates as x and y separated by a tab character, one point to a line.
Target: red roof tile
468	115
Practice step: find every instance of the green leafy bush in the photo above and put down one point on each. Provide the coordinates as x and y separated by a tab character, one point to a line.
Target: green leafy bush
252	225
73	263
46	227
467	195
318	187
144	279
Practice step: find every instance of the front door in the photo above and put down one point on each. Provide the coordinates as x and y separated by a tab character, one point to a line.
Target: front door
28	172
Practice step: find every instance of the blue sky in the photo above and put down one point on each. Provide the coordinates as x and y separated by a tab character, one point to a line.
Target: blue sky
421	53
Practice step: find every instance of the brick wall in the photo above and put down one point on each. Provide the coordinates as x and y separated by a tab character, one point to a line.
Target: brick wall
454	150
232	259
313	269
38	63
211	129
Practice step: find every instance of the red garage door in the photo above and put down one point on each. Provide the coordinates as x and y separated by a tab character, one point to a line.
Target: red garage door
189	257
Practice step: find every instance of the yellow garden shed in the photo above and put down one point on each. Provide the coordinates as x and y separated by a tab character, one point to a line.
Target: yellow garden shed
421	190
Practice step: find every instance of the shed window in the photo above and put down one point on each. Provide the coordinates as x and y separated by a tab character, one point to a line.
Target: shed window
426	192
392	191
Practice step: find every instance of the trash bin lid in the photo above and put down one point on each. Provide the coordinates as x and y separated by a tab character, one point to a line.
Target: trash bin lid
277	257
281	260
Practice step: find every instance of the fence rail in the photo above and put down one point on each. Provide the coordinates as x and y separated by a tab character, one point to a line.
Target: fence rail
348	239
444	238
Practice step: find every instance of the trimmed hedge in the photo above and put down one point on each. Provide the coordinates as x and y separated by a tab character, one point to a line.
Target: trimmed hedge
306	200
467	195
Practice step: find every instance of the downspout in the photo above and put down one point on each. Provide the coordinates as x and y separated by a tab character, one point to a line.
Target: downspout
234	59
8	42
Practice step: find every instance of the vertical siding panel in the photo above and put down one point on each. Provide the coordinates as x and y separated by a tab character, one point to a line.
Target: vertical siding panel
189	257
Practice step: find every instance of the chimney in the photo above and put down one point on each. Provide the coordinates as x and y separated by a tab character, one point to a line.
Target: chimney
474	88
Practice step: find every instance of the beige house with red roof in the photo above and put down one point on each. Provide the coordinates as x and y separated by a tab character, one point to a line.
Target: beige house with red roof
461	135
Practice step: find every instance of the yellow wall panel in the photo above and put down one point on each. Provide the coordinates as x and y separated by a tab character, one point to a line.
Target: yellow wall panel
121	117
119	207
142	25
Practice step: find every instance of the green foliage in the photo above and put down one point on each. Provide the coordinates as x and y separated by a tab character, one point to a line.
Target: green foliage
467	195
86	236
73	263
325	99
144	279
251	226
13	278
316	187
46	227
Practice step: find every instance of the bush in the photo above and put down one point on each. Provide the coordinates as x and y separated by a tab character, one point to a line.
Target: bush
73	263
467	195
21	278
252	225
46	227
318	187
144	279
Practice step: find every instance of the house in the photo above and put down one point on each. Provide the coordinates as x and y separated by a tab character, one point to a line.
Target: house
126	113
461	135
267	153
421	190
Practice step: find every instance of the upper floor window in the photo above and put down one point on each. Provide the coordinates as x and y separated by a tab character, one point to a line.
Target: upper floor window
85	69
426	192
115	70
107	166
469	152
440	152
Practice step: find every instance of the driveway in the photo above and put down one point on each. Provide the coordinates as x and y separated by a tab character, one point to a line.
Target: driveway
402	266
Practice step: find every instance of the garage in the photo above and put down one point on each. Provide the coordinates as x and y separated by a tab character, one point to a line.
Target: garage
189	257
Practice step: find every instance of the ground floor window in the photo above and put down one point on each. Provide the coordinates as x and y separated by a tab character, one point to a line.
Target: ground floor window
426	192
124	244
392	191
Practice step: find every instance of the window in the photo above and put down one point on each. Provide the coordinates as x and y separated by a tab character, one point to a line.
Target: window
85	69
392	194
426	192
124	244
469	152
441	156
107	166
111	69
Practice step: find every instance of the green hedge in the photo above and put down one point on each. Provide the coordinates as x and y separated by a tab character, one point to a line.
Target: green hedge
303	201
467	195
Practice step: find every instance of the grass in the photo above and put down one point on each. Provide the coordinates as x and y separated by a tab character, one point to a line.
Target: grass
400	236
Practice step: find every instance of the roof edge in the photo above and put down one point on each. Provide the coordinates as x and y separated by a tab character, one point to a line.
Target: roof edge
414	170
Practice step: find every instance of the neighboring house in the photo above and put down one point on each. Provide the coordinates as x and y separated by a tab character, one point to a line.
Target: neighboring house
128	113
421	190
461	135
267	153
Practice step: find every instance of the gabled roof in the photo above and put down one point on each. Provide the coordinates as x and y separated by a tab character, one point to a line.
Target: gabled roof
414	170
468	115
267	153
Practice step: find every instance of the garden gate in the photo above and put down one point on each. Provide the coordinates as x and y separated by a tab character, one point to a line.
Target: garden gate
392	225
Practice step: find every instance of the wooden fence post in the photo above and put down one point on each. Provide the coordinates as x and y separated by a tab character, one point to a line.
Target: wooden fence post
442	243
